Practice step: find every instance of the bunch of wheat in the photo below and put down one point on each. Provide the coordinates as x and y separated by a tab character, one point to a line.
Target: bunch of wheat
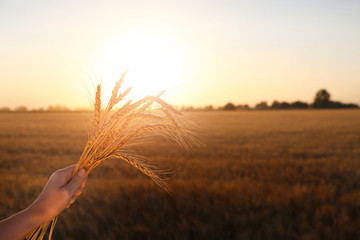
114	131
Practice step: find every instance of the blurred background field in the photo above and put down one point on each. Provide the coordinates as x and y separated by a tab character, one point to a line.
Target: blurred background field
259	175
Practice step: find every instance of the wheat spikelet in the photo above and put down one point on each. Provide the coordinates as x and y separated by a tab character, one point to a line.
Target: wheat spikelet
167	106
151	101
114	132
97	109
137	165
114	95
122	95
171	118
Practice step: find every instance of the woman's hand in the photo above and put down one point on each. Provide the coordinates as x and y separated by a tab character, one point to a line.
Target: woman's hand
59	193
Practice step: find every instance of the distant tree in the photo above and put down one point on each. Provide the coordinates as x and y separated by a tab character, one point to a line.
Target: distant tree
229	107
335	105
341	105
87	109
275	105
5	109
262	105
21	109
322	99
299	105
38	109
242	107
209	108
351	105
187	108
198	109
284	105
57	108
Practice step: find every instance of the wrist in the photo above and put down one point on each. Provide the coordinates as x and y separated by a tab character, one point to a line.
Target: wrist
22	223
38	215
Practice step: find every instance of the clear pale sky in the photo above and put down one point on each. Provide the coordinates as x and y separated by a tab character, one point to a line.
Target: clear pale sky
205	52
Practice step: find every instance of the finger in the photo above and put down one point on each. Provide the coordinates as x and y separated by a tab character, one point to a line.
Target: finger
76	181
70	203
78	192
67	170
83	183
72	200
65	174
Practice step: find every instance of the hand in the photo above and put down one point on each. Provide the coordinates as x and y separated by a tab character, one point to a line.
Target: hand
60	192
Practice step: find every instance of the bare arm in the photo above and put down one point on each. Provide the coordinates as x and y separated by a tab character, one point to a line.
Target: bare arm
59	193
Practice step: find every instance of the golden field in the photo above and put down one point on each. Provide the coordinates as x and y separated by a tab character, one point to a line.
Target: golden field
257	175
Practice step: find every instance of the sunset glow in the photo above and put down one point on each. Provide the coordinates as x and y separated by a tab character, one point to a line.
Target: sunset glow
203	52
154	63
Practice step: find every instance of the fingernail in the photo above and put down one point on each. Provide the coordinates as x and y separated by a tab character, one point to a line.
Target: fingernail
81	173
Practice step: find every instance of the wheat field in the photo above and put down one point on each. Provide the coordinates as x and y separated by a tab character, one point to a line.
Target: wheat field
257	175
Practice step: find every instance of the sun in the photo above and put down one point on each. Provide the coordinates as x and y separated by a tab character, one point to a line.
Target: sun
155	63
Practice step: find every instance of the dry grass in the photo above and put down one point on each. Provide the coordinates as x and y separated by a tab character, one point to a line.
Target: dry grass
113	132
260	175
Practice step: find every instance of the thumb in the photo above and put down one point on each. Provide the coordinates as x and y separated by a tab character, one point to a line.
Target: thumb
76	181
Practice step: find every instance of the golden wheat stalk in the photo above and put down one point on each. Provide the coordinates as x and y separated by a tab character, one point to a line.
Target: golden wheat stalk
113	132
97	107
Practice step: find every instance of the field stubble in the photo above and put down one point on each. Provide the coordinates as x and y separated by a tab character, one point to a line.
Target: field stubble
258	175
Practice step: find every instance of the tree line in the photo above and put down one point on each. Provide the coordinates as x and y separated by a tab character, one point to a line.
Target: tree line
321	101
56	108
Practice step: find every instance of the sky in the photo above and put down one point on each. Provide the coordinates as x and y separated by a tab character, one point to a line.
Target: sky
201	52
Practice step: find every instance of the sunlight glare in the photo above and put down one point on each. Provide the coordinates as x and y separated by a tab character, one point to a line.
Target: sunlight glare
154	64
